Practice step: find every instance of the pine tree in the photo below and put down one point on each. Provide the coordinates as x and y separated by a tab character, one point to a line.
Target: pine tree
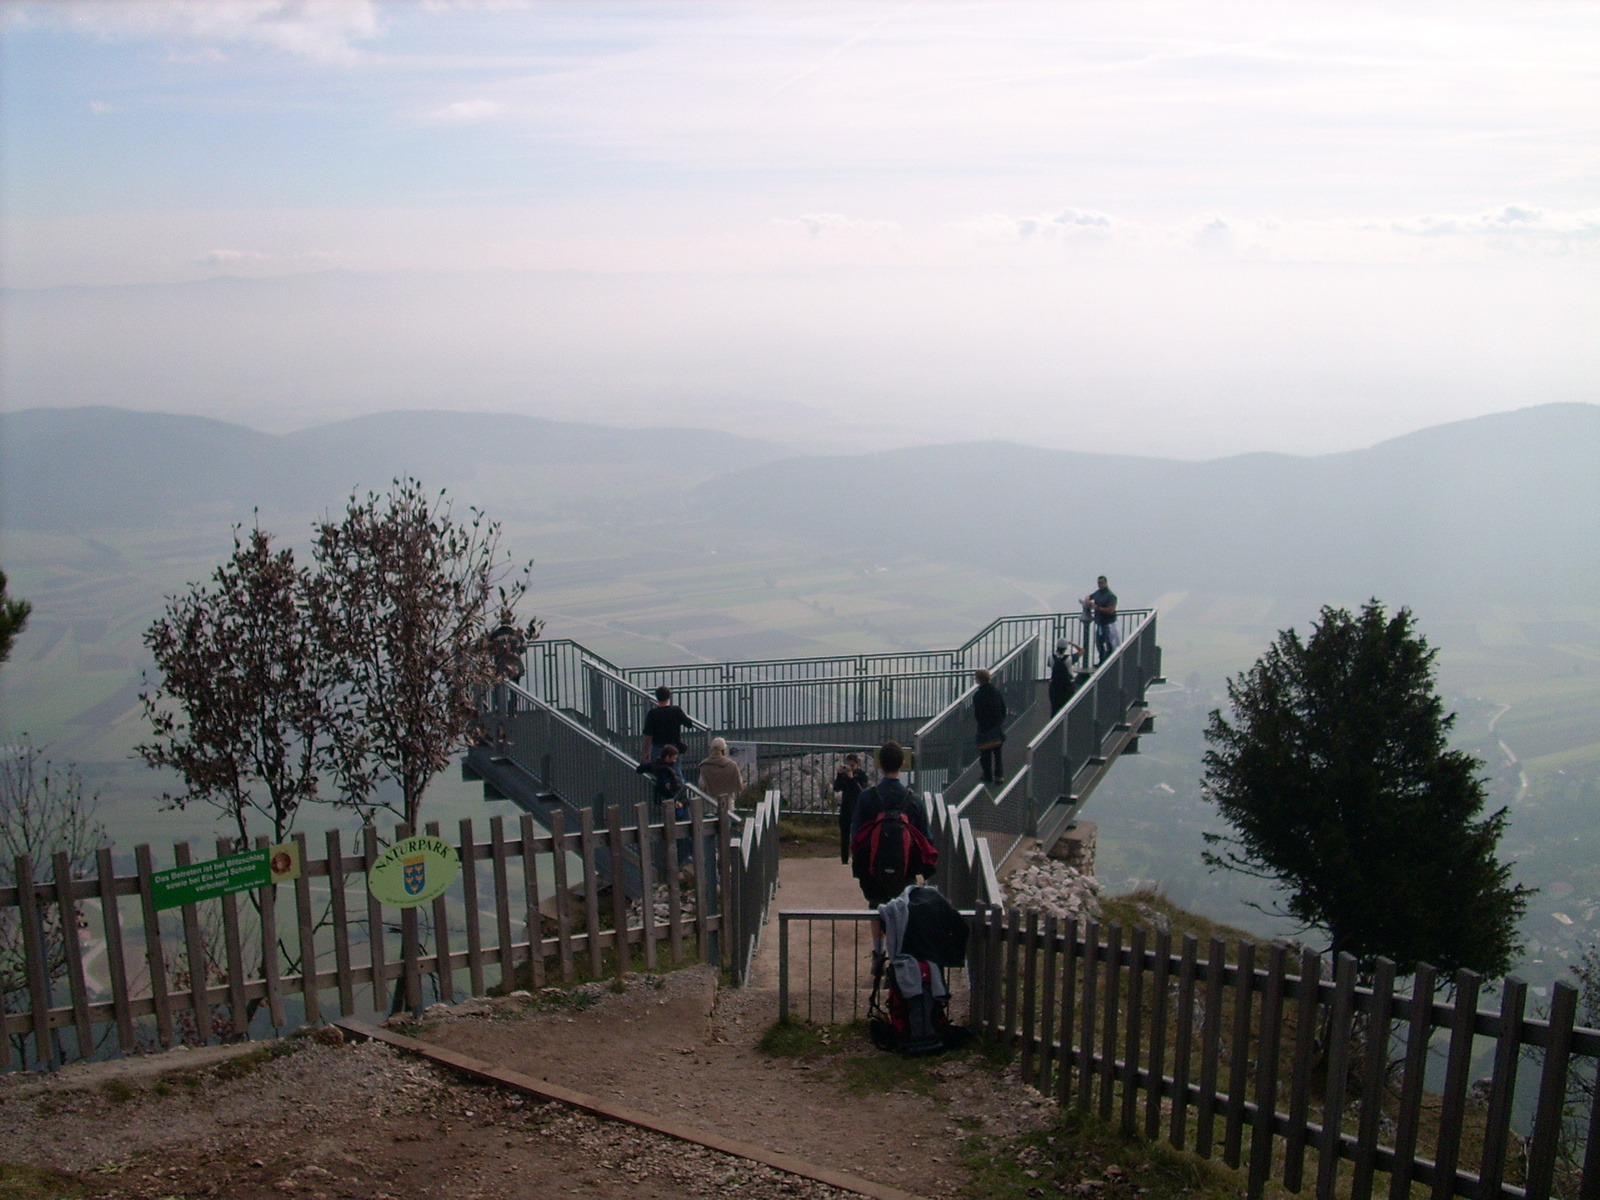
1335	776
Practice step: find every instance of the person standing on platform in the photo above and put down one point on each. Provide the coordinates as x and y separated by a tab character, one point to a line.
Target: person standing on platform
719	776
989	710
1102	602
1063	674
850	782
663	727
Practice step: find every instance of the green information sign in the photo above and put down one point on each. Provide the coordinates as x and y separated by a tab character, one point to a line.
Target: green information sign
224	876
413	871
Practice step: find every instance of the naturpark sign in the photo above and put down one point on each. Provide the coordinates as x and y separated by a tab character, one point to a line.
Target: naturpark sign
413	871
224	876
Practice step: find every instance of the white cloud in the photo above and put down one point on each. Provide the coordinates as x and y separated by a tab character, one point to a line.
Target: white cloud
468	110
99	108
1080	226
1517	221
320	30
835	224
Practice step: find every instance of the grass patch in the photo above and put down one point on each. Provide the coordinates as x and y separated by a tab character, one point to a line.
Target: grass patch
118	1091
1081	1155
19	1181
860	1067
249	1064
1135	908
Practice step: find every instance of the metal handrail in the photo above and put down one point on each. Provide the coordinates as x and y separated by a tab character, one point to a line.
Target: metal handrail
966	697
1038	739
606	750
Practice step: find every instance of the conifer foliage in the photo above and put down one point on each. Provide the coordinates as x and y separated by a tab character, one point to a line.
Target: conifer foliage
1335	776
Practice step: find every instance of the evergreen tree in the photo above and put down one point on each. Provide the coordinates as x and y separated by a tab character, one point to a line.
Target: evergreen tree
1335	777
13	617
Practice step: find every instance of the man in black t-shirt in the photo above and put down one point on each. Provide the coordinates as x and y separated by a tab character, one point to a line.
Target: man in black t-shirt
1102	602
663	726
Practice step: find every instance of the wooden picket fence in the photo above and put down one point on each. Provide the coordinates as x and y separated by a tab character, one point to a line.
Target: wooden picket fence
135	979
1268	1061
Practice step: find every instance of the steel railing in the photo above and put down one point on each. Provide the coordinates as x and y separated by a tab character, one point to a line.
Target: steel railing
571	760
1071	743
877	694
947	745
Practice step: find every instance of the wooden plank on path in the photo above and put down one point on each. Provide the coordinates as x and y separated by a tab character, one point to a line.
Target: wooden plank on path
233	946
155	959
611	1110
343	972
116	958
72	947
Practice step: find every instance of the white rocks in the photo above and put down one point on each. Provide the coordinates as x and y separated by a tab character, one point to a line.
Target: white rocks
1053	887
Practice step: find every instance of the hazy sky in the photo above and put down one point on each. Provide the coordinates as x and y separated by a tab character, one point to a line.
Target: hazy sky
1185	229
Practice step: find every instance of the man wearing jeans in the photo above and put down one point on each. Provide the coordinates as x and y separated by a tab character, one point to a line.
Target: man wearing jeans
1102	603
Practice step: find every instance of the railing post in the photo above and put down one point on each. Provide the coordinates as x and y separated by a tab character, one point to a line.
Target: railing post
783	968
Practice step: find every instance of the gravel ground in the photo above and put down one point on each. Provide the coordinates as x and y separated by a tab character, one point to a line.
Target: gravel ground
358	1121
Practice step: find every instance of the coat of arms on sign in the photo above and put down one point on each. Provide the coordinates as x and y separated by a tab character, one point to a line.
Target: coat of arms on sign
416	873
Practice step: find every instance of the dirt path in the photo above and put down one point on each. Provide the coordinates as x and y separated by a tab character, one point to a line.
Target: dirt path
365	1123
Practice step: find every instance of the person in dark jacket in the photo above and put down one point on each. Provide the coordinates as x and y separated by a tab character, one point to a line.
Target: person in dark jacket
668	780
663	726
850	782
1063	674
989	710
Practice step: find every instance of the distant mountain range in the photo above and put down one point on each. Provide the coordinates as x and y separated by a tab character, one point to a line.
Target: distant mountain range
79	469
1499	510
1503	509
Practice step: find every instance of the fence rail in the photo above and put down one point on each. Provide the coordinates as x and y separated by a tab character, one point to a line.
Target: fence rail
526	909
1286	1073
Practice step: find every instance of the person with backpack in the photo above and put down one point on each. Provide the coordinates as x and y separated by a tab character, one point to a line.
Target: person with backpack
1063	674
889	839
989	710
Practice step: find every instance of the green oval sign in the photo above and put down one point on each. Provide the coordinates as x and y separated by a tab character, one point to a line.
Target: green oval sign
413	871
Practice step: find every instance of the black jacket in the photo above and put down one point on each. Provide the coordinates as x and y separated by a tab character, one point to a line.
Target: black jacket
989	706
885	795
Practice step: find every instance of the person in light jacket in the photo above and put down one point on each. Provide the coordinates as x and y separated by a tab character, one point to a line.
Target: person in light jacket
719	775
